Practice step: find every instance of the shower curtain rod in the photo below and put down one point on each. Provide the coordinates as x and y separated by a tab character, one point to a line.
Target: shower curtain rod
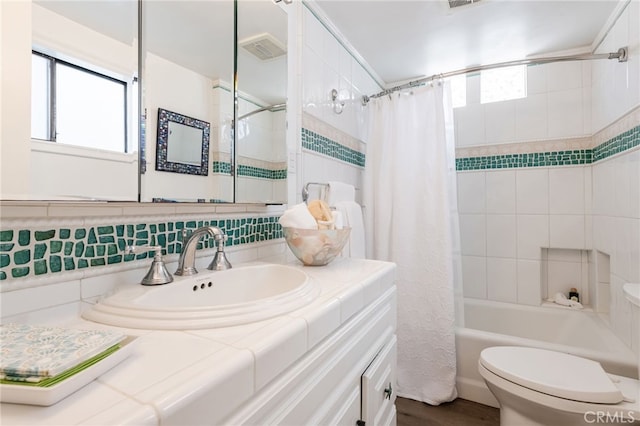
271	108
620	55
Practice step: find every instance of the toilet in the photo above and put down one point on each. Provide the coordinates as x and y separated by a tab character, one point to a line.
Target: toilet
542	387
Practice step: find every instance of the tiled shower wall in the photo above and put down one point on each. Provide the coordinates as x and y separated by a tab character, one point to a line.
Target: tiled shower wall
559	169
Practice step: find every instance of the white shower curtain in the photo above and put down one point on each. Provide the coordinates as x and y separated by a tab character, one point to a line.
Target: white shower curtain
411	219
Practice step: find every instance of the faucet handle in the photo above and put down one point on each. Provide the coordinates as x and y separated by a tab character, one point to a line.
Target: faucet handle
157	273
220	261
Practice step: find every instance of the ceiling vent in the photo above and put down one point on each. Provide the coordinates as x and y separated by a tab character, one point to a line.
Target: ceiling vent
458	3
263	46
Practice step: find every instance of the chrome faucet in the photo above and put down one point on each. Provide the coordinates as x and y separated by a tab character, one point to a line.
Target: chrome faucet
187	260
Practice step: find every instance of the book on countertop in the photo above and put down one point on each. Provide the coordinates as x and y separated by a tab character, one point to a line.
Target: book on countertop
39	355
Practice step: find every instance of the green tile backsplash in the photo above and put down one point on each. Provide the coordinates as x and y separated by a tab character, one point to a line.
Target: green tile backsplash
29	253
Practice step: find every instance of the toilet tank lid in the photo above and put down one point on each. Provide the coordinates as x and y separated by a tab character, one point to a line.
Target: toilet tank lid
554	373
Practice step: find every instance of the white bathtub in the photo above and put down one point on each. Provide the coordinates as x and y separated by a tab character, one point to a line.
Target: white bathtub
581	333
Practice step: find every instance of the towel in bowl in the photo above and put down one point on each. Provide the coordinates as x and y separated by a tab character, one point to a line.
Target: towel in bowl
298	216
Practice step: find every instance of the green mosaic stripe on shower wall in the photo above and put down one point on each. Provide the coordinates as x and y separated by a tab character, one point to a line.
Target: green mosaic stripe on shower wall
620	143
538	159
29	253
318	143
259	172
624	141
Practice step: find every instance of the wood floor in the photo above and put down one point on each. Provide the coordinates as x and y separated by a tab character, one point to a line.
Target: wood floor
459	412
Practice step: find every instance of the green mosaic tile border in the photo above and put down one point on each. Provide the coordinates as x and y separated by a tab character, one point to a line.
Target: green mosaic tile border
620	143
318	143
29	253
250	171
223	167
624	141
538	159
259	172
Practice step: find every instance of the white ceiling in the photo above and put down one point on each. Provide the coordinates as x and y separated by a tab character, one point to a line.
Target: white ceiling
405	40
400	40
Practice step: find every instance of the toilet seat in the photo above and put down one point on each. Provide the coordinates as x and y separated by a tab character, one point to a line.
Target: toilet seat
553	373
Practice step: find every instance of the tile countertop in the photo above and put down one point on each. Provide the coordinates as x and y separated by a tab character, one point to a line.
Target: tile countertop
219	369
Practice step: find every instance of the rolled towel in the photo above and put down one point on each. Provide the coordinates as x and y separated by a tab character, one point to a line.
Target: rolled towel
298	216
561	299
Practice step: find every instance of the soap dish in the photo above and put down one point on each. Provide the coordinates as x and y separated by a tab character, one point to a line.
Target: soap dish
45	396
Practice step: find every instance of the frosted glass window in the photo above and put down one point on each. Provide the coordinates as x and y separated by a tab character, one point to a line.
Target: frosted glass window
40	100
503	84
458	90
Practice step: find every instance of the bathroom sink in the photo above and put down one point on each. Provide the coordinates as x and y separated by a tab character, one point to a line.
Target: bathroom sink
208	300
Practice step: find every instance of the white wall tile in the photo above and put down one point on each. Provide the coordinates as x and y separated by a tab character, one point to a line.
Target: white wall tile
529	292
474	276
564	75
471	125
536	79
533	235
471	192
38	298
567	231
501	192
313	32
473	237
566	190
501	236
531	117
500	122
532	191
565	113
502	280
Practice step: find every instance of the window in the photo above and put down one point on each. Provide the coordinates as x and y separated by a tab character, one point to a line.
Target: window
458	90
503	84
77	106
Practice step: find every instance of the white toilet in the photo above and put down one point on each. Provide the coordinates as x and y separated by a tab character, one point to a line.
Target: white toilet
541	387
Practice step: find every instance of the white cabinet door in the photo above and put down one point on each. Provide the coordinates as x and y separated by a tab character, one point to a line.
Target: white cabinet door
378	383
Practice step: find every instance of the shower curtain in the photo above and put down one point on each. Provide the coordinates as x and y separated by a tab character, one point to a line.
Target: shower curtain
411	219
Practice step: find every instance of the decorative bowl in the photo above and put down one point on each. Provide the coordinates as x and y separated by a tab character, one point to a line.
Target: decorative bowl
316	247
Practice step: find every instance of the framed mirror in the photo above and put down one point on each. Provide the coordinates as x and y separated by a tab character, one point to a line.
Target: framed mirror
182	144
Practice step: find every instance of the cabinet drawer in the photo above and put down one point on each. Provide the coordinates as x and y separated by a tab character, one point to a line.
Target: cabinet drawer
378	387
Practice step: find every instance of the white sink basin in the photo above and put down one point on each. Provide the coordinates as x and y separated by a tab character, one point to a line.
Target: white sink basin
208	300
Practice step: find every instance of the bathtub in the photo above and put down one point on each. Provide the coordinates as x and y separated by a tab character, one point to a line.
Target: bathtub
488	323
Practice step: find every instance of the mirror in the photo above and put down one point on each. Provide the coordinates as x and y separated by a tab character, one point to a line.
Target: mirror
183	144
188	69
97	42
187	66
261	153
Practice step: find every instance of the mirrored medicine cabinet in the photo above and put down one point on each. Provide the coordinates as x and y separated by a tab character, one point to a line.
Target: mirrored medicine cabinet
195	138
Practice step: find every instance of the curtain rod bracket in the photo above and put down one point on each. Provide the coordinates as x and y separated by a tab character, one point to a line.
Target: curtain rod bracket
622	54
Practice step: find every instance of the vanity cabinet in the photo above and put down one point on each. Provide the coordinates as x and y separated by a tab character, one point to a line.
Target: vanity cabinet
346	379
